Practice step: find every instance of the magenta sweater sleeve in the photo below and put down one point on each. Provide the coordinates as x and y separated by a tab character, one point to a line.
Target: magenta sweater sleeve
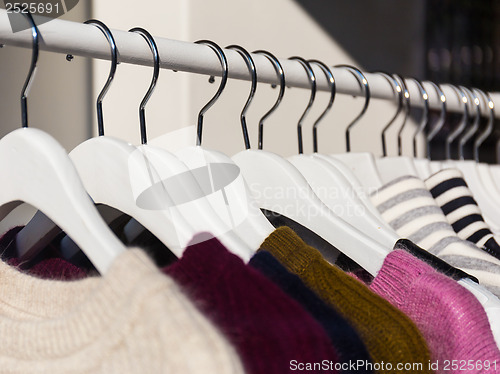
451	319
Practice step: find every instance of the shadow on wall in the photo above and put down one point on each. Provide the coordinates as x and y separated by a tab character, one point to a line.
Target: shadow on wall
382	35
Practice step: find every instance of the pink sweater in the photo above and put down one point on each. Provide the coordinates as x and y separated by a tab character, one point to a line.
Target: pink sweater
451	319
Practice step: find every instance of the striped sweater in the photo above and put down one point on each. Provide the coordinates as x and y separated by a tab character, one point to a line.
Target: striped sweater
452	194
408	206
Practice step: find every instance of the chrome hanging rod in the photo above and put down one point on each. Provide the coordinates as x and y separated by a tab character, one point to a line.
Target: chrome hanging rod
79	39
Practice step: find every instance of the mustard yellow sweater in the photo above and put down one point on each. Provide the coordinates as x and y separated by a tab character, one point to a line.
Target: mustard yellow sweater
389	335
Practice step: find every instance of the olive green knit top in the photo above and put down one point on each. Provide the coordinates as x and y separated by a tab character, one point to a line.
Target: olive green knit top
390	336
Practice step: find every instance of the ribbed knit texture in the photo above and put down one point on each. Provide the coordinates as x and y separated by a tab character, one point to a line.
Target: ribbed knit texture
454	197
346	340
452	321
267	327
408	206
134	319
389	335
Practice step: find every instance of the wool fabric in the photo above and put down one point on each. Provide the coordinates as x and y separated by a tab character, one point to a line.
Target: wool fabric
346	340
271	332
389	335
452	321
454	197
47	265
410	209
51	268
133	319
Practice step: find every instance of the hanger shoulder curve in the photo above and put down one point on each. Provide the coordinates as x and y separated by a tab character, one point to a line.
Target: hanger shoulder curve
334	190
115	173
282	189
41	174
423	166
139	181
155	188
488	203
361	191
364	166
190	201
392	167
484	172
228	193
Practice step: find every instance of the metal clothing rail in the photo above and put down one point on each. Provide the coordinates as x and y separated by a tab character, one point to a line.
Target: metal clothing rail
84	40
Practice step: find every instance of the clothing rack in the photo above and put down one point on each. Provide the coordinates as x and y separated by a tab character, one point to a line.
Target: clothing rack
79	39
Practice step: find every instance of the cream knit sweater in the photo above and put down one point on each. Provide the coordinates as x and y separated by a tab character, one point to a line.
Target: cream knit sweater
134	319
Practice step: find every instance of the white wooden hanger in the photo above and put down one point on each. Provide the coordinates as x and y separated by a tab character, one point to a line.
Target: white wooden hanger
490	303
284	190
175	194
353	184
392	167
440	165
58	192
423	165
334	189
481	170
19	216
362	164
346	179
135	180
353	181
40	230
424	121
493	169
93	159
188	195
40	173
488	203
230	193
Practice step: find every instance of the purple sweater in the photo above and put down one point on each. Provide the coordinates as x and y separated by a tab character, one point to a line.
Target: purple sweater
271	331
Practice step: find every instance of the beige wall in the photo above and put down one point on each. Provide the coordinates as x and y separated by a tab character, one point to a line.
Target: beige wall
62	98
279	26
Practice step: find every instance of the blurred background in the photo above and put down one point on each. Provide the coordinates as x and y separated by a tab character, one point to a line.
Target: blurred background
440	40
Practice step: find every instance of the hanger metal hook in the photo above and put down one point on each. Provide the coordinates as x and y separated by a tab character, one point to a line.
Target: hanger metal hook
407	107
425	114
281	75
489	127
35	33
363	82
397	89
114	62
469	133
441	120
223	61
312	82
156	73
463	121
253	72
333	90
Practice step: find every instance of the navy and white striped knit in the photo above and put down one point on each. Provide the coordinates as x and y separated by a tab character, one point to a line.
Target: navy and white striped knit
409	208
454	197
